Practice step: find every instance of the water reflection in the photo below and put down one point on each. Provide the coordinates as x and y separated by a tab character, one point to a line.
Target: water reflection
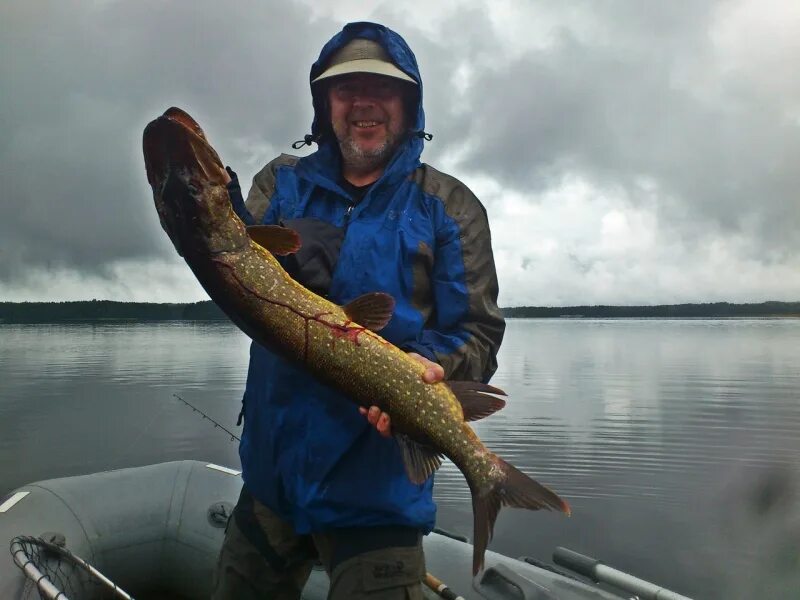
645	427
676	442
88	397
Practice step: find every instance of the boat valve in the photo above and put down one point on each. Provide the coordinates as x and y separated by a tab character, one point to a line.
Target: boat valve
219	513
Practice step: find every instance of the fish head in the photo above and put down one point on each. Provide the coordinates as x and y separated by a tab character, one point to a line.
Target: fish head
189	181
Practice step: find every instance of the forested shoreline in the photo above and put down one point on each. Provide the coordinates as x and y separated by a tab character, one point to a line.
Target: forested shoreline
668	311
107	310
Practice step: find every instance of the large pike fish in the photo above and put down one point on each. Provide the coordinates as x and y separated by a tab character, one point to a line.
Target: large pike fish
338	344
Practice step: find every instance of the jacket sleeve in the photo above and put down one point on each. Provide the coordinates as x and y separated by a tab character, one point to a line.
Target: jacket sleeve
466	325
259	199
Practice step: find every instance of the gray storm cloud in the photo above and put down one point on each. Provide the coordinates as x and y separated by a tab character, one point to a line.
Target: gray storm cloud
646	100
681	116
82	82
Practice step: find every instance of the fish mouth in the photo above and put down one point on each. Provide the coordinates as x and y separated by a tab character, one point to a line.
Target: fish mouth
174	141
181	116
181	168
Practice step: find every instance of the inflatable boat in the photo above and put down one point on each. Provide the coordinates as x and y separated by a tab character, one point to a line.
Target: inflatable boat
154	532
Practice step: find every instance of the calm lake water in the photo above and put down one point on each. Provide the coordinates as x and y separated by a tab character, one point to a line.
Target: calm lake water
677	442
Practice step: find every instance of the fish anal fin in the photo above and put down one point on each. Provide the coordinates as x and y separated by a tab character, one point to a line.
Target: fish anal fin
420	460
476	398
372	311
278	240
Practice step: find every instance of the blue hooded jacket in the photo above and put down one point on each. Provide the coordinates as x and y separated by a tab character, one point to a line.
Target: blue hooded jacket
418	235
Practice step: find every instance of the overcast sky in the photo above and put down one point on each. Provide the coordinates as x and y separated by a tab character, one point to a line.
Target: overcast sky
626	152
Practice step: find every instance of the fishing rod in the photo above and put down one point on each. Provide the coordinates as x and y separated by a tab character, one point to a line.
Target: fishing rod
440	588
434	584
205	416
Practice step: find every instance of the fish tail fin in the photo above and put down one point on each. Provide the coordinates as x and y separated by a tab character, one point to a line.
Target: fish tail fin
512	488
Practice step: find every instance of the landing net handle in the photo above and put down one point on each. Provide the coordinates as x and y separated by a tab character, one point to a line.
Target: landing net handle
42	562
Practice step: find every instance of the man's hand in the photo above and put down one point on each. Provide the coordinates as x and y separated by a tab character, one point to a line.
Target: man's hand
380	420
434	372
227	174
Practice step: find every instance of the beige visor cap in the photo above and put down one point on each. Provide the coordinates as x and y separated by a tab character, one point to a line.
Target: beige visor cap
362	56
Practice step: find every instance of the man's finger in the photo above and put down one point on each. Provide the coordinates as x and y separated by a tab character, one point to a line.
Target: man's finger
433	373
373	415
378	419
383	426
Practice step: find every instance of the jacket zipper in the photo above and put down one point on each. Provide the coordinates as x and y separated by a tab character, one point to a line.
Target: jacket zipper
349	210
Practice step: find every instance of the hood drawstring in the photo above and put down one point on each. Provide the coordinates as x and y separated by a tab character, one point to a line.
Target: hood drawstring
307	140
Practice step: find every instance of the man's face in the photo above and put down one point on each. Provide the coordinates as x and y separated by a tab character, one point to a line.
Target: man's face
367	117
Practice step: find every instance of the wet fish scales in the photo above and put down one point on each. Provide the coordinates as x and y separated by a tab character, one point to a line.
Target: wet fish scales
247	282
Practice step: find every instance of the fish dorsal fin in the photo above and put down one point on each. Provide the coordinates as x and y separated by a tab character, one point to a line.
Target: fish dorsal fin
476	399
420	460
278	240
372	311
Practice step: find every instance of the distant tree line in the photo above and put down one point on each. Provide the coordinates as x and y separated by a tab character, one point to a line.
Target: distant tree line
675	311
106	310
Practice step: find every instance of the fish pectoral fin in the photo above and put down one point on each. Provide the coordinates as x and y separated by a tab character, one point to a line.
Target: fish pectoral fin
278	240
476	398
420	460
372	311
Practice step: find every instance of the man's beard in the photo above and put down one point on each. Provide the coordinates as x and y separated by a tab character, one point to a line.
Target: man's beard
359	159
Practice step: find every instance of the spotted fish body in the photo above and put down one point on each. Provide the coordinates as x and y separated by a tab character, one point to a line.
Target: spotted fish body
237	268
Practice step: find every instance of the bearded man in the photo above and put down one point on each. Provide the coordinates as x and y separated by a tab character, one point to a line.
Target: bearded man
320	480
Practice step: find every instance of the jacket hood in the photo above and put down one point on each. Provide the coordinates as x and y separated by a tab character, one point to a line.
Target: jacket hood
397	49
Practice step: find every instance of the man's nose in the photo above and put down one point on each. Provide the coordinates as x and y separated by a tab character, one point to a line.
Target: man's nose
364	99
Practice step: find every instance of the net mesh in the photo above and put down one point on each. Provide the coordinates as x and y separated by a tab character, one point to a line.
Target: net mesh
53	572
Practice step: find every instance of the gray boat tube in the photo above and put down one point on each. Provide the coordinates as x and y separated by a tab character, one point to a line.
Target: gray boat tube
160	527
152	527
601	573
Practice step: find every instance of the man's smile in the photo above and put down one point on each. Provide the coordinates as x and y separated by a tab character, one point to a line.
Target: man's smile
366	124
